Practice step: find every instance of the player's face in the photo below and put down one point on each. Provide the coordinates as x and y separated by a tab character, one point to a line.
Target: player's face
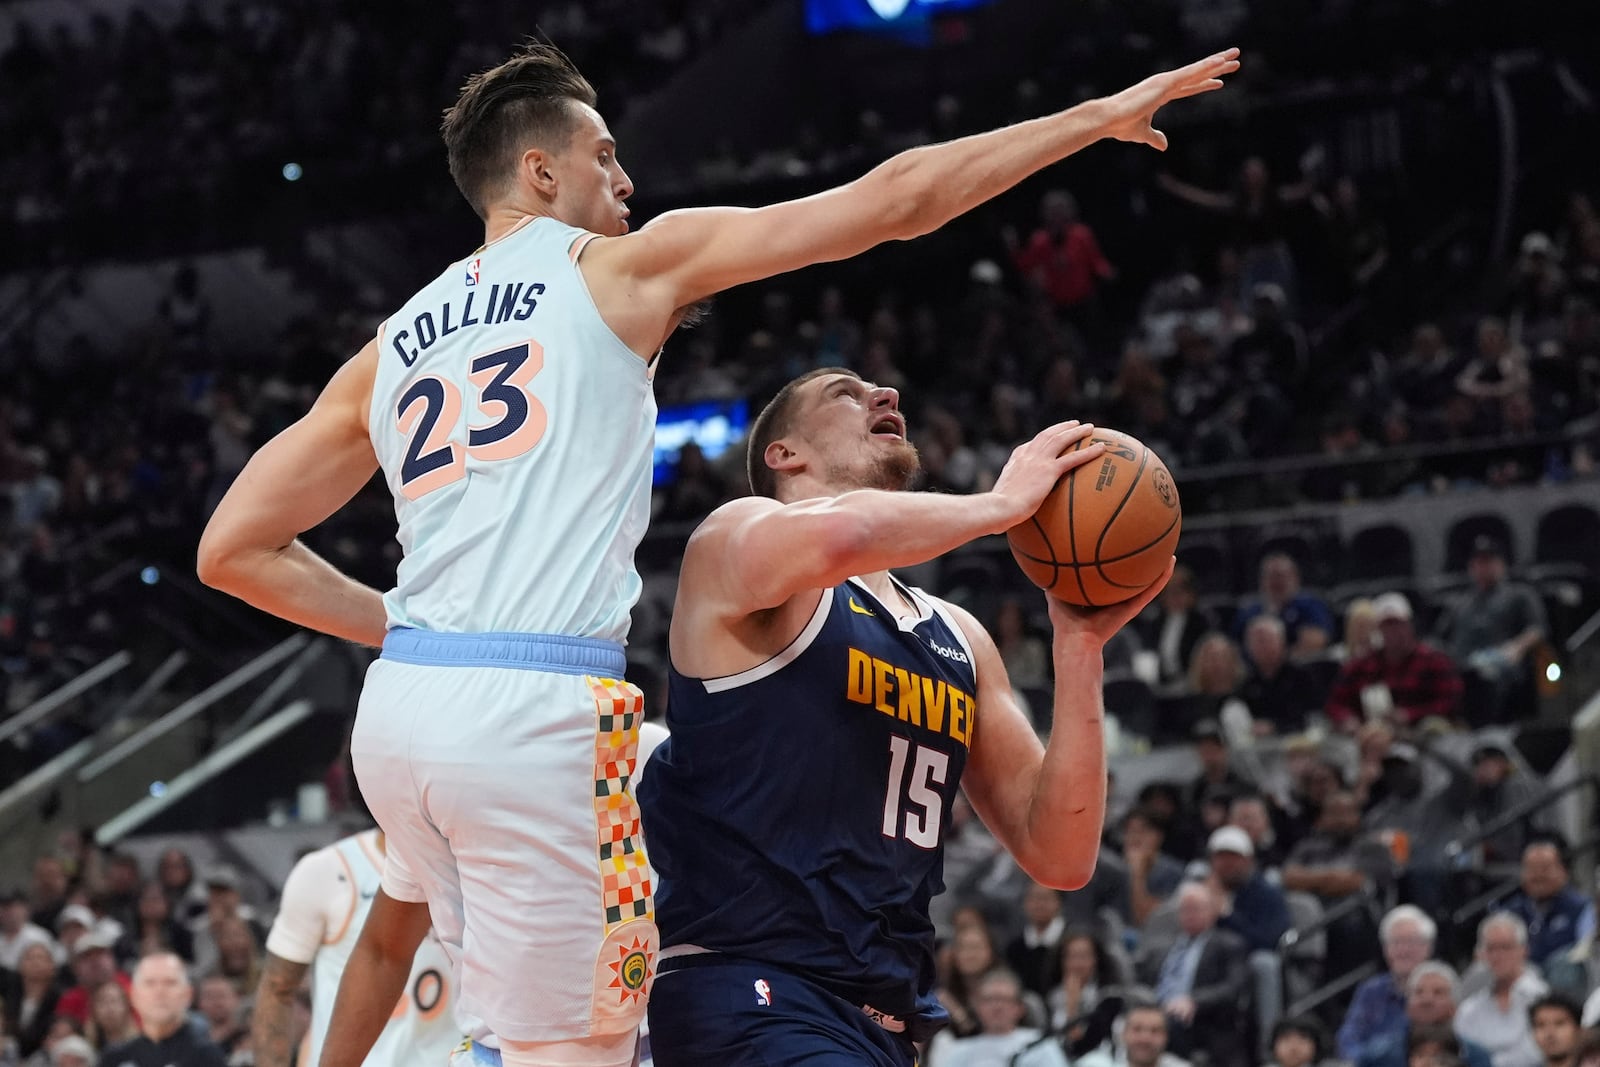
591	183
858	435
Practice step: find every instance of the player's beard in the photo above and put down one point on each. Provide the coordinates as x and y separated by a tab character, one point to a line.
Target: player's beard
895	469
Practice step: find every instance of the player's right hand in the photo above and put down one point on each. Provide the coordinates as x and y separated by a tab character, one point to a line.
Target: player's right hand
1133	110
1035	467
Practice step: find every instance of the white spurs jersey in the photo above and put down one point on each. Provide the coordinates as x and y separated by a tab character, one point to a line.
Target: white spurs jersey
516	432
324	904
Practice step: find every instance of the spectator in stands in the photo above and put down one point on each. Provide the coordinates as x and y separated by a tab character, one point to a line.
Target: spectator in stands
1360	631
1335	863
1588	1052
1174	624
1425	377
1257	212
49	893
1377	1012
1298	1042
161	996
1499	369
1062	260
176	873
17	931
222	1010
971	956
1556	913
1497	788
1143	1043
72	1051
156	930
1131	882
223	904
9	1056
1406	678
1554	1020
111	1020
1090	997
1498	1017
36	995
1252	812
1277	691
1493	632
1202	980
1307	622
1418	820
1432	993
1035	955
1255	909
238	957
1001	1037
1312	779
1216	767
74	922
93	966
1215	673
120	901
1433	1046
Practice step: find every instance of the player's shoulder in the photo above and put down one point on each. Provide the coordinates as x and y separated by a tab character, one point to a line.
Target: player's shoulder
732	515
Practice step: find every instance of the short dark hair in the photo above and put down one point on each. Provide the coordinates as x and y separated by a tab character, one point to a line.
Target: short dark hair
1558	1001
775	420
1552	840
501	111
1309	1027
1439	1034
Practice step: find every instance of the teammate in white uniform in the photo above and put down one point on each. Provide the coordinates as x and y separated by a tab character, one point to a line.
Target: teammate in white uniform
509	407
324	902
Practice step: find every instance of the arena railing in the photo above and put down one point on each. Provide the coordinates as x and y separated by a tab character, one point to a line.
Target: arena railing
43	710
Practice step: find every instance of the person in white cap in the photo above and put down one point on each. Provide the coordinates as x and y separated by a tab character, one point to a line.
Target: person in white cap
1256	910
1406	678
93	965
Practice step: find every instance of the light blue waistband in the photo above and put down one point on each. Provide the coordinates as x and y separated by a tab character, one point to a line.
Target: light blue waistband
551	653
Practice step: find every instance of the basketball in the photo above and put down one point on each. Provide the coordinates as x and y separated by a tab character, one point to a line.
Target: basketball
1107	530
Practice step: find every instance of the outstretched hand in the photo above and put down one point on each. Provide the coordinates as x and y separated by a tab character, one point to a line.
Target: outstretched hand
1134	109
1100	624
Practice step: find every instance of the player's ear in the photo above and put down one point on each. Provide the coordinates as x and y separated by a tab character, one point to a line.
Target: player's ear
537	171
780	457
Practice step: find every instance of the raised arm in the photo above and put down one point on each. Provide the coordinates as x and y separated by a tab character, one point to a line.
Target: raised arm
1047	804
685	256
756	553
251	547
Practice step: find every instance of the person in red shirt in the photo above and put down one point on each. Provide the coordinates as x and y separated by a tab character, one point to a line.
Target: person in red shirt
1062	259
1407	679
93	965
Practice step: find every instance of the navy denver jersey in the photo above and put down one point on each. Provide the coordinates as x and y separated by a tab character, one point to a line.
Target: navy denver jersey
796	813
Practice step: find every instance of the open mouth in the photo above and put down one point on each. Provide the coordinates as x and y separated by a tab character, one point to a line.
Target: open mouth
889	426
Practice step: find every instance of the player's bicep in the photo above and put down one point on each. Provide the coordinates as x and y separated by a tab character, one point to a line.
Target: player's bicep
699	252
304	474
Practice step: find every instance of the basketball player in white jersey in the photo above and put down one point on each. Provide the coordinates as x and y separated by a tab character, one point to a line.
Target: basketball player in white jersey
509	407
320	914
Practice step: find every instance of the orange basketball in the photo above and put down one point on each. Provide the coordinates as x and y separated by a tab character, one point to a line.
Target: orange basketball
1107	530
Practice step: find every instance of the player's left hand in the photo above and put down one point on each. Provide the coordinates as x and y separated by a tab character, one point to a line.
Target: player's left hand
1099	624
1133	110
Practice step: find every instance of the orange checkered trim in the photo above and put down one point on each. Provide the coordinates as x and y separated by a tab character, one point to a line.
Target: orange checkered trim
624	871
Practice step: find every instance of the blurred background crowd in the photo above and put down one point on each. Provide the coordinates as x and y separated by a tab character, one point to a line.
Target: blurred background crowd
1356	308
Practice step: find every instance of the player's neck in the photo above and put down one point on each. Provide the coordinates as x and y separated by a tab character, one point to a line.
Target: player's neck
882	586
505	218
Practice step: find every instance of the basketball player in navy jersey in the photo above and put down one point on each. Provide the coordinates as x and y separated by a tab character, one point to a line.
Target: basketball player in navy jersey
823	716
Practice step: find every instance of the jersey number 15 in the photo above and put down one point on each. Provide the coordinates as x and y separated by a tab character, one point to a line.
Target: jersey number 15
513	420
922	807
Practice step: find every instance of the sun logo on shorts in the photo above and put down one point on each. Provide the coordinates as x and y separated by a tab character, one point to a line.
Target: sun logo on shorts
632	969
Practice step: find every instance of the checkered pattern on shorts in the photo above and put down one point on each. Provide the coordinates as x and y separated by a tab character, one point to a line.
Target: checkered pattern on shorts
624	872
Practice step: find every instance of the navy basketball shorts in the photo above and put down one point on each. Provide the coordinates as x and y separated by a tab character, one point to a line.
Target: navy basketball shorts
739	1013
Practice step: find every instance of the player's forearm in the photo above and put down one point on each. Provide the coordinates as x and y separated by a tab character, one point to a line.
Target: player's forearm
296	584
945	180
372	984
1069	802
272	1028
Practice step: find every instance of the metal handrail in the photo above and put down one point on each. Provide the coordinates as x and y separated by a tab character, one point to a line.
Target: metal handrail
1351	904
1454	849
46	705
1582	634
1321	995
213	764
194	706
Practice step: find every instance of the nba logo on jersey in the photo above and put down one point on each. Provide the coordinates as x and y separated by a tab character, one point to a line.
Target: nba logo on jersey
763	992
472	272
